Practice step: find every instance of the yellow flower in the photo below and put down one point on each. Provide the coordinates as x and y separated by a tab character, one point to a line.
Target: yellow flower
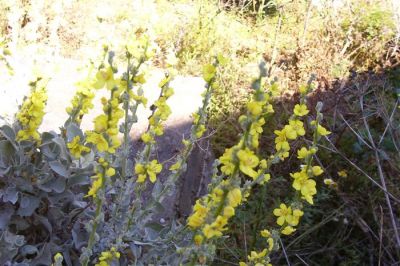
290	132
298	127
150	169
105	76
247	161
176	166
98	140
320	129
255	256
283	213
147	138
110	172
270	241
76	148
234	197
316	170
101	123
210	232
329	182
281	140
256	127
229	211
195	220
255	108
265	233
31	114
342	173
300	110
304	152
288	230
295	218
198	239
153	169
226	161
323	131
306	187
96	185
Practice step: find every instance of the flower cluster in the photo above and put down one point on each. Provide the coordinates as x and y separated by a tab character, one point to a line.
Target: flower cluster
150	170
31	112
105	133
103	170
107	257
81	103
212	212
144	167
221	201
291	131
288	217
77	148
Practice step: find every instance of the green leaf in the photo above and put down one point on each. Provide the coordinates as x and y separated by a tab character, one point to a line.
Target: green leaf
8	133
7	150
72	131
60	169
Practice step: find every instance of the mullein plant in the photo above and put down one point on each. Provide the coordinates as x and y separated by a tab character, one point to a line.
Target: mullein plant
288	215
125	97
241	168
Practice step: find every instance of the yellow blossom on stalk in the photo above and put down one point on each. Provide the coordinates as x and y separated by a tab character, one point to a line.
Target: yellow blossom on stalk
298	127
175	166
247	162
342	173
255	108
147	138
320	129
329	182
76	148
105	77
100	123
107	257
256	127
281	142
306	186
96	185
255	256
98	140
153	169
199	214
209	231
198	239
300	110
226	160
31	114
283	213
296	214
265	233
229	211
304	152
288	230
234	197
317	170
270	241
150	169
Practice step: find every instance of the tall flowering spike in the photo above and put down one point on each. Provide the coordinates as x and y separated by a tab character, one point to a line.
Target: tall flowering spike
31	112
145	168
